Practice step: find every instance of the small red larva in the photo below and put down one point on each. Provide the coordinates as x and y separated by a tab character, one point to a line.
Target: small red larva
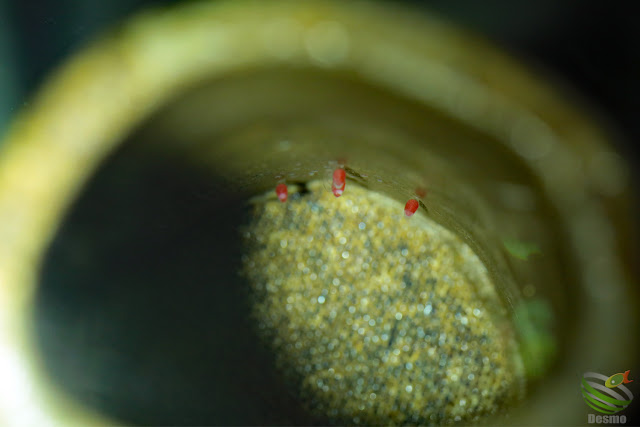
339	177
411	207
281	191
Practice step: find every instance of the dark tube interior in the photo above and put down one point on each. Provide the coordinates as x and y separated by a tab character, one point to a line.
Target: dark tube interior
140	311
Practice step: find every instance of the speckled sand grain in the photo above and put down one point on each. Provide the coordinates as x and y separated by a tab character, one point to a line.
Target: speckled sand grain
378	318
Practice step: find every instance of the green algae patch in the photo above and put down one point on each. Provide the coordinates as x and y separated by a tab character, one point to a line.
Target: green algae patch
521	250
534	323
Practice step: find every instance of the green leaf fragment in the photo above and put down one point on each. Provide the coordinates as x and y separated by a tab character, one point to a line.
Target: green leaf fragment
519	249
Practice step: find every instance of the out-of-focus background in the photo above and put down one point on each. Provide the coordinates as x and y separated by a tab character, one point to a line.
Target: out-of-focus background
591	47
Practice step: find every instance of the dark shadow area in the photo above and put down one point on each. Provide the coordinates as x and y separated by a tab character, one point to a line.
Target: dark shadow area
141	313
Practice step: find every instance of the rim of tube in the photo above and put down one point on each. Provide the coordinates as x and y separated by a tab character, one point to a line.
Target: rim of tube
90	103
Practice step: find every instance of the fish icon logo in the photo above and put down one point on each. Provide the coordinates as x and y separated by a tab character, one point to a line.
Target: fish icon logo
606	395
616	379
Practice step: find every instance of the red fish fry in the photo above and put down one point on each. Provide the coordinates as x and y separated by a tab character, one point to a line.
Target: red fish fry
411	207
339	177
281	191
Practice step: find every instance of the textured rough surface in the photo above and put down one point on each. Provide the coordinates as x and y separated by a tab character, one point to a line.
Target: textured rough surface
378	318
